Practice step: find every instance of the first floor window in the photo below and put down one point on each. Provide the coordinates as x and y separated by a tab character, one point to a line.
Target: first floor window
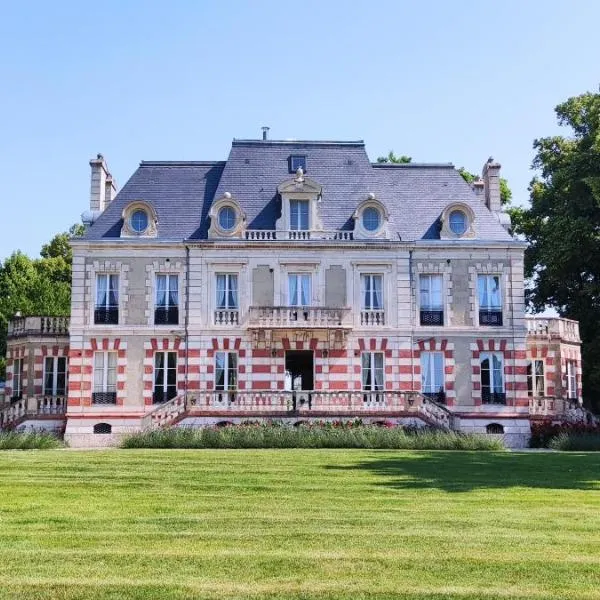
55	376
17	389
105	378
535	378
572	379
430	300
299	289
490	300
107	300
372	371
372	292
167	300
492	378
226	374
227	291
432	374
165	376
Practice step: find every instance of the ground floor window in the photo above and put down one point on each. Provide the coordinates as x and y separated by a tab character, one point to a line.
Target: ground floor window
105	378
55	376
226	373
535	378
432	374
572	379
17	382
372	371
492	378
165	376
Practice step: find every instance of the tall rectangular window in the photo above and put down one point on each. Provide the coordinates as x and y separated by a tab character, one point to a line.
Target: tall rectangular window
430	300
536	385
372	371
107	299
432	374
299	215
165	376
299	289
17	381
55	376
227	291
105	378
166	310
371	292
490	300
492	378
226	373
572	379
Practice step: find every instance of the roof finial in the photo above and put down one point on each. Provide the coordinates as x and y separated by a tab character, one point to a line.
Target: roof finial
299	174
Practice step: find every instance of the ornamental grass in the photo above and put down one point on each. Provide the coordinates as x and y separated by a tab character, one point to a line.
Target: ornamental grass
31	440
572	441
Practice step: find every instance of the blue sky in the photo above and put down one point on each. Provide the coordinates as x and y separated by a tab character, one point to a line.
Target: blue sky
440	81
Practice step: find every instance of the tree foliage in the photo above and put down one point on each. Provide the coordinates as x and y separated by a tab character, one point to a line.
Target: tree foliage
505	191
392	158
40	286
562	227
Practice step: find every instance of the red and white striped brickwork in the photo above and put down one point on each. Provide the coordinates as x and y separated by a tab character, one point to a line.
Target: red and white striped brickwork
433	345
570	353
515	370
547	353
81	370
40	353
13	353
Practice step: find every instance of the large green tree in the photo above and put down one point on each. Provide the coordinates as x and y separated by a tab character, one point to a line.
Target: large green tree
40	286
562	226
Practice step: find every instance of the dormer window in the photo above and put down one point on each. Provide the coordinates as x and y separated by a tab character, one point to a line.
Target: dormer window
139	220
227	218
299	210
297	161
371	218
458	221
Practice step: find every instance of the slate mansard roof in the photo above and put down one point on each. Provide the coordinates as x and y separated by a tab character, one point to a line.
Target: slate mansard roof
181	193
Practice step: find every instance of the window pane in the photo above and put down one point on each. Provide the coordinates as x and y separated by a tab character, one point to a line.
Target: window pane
495	296
293	289
366	370
306	290
161	290
101	290
232	298
483	294
48	376
377	292
438	371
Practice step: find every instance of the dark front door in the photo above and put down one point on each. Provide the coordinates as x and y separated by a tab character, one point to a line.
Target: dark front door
299	364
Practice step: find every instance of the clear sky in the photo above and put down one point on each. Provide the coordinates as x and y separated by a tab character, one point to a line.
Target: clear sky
441	81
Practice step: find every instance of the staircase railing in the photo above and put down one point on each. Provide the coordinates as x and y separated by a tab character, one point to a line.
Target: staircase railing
165	413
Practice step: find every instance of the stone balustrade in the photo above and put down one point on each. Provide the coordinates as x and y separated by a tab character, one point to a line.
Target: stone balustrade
564	329
41	326
297	234
295	317
226	317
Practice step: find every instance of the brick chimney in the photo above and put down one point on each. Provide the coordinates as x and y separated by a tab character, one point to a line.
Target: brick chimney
102	188
491	185
478	188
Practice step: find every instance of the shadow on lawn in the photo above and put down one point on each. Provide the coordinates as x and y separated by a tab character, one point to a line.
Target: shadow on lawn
467	471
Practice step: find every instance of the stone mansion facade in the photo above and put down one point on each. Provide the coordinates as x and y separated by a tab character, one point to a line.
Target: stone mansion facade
294	281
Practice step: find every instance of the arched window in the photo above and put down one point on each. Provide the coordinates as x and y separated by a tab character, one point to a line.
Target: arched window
102	428
494	428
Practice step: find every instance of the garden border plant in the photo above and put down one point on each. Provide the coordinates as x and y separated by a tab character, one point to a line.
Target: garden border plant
29	440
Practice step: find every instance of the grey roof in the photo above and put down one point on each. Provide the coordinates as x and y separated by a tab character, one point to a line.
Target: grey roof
181	192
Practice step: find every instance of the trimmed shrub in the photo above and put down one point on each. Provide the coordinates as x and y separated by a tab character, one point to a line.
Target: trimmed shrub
543	432
32	440
311	435
588	441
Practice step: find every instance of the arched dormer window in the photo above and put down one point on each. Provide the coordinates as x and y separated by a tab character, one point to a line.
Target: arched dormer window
371	219
139	220
458	222
226	218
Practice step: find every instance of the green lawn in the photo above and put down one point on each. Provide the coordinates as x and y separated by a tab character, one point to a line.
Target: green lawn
306	524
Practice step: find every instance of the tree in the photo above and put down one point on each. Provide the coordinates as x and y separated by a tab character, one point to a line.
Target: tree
392	158
505	191
39	286
562	227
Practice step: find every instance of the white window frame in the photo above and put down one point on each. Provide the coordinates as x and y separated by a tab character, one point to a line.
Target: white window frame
533	378
488	279
429	278
300	276
228	289
490	356
364	277
428	363
297	226
106	370
17	380
165	368
110	277
169	277
572	380
228	369
372	368
54	391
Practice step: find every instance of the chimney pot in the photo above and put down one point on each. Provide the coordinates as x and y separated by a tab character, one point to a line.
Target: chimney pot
265	132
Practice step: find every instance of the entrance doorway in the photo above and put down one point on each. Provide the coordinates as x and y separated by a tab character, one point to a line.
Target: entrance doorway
299	370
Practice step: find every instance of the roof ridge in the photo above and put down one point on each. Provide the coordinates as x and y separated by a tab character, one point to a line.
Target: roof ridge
242	142
182	163
448	165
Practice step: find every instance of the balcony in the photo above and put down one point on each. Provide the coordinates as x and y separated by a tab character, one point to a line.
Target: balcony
106	315
490	317
298	317
227	317
553	328
166	315
41	326
432	317
260	235
372	318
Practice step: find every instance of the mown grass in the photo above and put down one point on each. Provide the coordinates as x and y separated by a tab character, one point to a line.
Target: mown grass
332	524
278	436
33	440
